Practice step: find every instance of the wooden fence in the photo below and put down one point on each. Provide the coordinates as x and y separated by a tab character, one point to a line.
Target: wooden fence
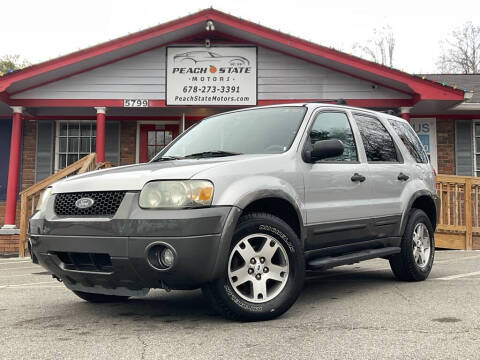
30	196
459	223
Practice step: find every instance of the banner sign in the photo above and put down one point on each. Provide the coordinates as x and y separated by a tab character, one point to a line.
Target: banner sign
426	129
211	76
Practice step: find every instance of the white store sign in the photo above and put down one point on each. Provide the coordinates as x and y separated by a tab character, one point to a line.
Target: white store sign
426	129
211	76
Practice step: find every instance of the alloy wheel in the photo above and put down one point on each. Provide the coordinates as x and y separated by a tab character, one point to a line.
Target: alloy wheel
421	245
258	268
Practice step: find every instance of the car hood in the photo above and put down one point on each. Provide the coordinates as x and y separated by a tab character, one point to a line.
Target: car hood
134	177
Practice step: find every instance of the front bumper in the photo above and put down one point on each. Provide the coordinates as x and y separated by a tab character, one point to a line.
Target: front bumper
200	238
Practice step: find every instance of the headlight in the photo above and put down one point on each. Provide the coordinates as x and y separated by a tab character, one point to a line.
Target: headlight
176	194
43	198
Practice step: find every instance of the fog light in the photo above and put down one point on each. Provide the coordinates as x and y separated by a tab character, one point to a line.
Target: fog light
161	256
167	257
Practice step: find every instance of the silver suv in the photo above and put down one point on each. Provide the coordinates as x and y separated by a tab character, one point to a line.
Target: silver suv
242	205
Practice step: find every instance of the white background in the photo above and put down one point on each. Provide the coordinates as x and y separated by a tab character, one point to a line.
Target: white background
40	30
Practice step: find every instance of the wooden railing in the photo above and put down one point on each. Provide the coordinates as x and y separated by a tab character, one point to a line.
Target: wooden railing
459	222
30	196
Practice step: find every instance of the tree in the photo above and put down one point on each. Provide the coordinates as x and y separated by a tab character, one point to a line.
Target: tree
380	47
461	51
9	63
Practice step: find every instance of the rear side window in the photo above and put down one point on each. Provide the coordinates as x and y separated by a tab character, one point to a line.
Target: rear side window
410	140
378	143
335	125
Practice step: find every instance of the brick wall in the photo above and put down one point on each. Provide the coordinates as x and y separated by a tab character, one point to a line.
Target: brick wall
2	213
27	166
9	243
28	153
446	146
128	142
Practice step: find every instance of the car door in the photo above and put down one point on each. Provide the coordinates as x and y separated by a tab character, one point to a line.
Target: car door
336	189
388	173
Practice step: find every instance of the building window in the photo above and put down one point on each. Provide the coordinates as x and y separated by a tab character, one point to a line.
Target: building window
476	146
75	139
157	140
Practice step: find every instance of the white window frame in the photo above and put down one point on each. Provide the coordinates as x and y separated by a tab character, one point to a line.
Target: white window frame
476	152
57	138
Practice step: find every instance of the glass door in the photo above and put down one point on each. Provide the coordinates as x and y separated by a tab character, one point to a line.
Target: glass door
154	138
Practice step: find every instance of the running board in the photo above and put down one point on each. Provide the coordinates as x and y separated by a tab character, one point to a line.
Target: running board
323	263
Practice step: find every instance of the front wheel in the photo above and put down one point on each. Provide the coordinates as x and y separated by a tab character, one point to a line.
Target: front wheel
265	270
415	260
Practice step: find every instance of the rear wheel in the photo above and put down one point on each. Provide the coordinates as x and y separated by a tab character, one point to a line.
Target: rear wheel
265	270
415	260
99	298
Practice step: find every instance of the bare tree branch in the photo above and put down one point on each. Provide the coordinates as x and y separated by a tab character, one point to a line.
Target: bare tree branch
380	48
461	51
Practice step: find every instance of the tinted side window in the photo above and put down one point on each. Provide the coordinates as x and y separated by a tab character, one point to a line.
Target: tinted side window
335	125
410	140
378	143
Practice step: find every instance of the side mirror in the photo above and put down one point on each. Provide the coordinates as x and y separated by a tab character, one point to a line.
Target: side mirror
324	149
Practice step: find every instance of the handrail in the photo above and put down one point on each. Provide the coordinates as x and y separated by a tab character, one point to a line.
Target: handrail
78	165
30	196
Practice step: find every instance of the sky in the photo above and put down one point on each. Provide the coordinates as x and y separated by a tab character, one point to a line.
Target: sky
42	30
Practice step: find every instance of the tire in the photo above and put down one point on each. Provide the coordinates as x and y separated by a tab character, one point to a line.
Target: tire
280	265
99	298
409	264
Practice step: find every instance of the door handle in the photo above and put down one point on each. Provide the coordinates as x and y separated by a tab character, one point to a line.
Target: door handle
358	177
403	177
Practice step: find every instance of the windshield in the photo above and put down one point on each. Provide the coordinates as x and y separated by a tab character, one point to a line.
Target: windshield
255	131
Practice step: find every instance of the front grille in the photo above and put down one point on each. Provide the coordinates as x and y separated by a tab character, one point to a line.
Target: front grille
85	261
105	203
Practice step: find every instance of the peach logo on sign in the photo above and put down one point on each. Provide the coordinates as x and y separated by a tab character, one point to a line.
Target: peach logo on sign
213	69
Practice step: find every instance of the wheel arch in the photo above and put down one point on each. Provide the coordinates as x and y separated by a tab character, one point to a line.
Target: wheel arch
259	202
282	208
259	193
423	200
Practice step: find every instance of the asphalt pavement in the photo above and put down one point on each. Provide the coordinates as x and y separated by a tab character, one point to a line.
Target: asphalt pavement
351	312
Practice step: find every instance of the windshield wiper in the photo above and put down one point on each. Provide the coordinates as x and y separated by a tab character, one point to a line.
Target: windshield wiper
214	153
167	158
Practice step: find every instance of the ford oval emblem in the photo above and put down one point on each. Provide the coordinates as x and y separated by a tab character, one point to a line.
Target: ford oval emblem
84	203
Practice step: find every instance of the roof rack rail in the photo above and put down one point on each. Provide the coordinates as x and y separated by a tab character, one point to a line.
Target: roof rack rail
329	101
389	112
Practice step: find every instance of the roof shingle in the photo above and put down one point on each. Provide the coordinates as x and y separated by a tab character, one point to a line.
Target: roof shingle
467	82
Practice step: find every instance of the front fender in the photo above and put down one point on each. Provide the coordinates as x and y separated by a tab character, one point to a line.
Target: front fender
244	191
